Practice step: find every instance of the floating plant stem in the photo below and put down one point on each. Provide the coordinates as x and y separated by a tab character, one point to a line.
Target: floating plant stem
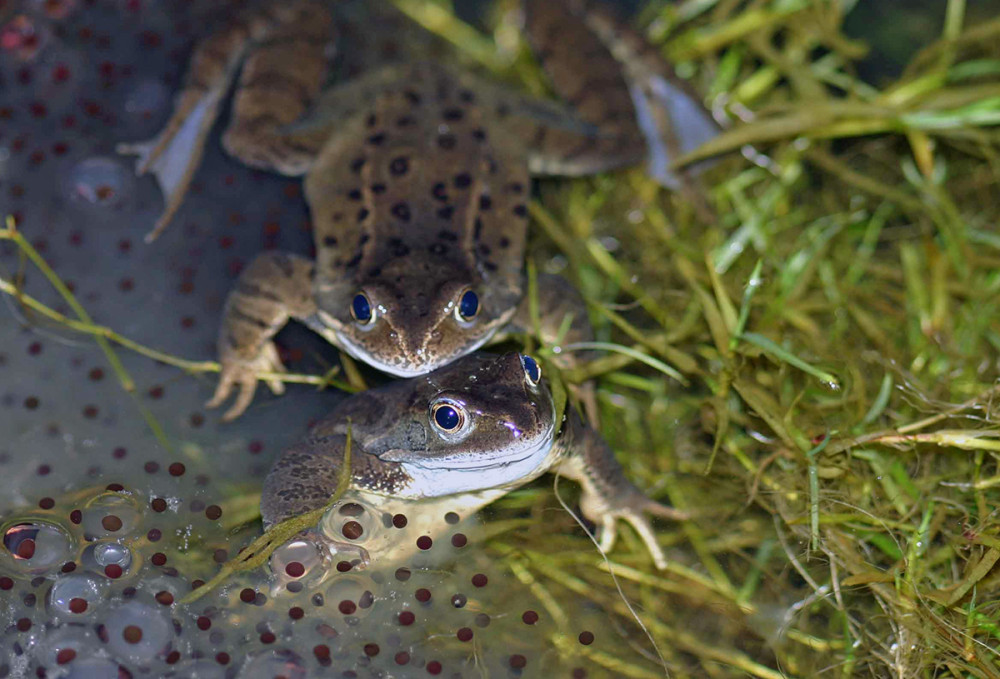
259	551
814	490
753	283
187	365
631	353
12	233
782	354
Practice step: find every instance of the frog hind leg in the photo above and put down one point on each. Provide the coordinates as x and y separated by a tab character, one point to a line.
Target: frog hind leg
608	496
302	479
282	48
629	92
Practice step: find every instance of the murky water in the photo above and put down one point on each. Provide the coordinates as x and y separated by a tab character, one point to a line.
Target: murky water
118	491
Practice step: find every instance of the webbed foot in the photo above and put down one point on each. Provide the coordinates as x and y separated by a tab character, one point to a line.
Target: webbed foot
633	510
608	496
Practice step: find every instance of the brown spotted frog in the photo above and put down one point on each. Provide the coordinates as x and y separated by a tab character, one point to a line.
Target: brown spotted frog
417	176
459	438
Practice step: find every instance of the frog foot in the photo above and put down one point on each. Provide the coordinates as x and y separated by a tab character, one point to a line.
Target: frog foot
241	373
634	510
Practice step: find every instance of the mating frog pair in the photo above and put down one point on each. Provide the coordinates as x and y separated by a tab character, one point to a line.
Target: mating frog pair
417	175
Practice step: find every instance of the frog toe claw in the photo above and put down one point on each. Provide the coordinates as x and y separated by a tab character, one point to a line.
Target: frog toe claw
243	376
222	390
243	399
609	532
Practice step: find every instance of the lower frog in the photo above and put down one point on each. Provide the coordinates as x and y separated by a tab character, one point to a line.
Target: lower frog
417	175
454	441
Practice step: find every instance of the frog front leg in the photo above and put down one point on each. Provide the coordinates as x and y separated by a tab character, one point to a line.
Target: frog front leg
305	477
282	50
275	287
607	495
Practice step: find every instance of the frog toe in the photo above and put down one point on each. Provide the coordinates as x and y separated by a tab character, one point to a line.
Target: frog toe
666	511
272	363
243	399
645	530
222	390
608	533
636	515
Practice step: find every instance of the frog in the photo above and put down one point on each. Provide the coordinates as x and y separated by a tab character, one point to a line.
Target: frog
459	438
418	177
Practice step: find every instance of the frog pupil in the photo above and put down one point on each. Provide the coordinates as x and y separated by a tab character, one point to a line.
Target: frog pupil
531	369
468	306
362	308
447	418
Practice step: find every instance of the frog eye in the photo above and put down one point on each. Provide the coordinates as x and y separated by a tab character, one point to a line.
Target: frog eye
448	417
361	309
532	372
468	306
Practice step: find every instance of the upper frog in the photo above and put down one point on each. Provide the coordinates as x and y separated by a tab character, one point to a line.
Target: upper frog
419	213
465	434
417	176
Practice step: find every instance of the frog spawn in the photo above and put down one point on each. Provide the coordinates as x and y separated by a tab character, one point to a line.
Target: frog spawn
105	528
78	602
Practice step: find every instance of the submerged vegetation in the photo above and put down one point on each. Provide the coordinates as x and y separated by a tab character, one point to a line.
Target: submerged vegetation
812	374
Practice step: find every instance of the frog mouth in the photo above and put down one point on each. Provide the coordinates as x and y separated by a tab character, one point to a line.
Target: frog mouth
457	464
472	473
410	369
470	462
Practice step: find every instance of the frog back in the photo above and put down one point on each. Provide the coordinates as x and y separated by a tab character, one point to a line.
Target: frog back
412	186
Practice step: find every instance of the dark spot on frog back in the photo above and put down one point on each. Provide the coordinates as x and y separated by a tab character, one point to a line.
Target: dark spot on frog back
447	141
399	166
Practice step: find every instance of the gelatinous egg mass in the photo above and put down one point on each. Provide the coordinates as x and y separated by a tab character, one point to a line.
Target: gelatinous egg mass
100	181
36	545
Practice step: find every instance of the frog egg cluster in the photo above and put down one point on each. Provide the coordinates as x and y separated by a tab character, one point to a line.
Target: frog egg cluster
119	492
89	587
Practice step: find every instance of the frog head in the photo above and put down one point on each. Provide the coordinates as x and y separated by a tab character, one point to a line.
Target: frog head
415	314
484	422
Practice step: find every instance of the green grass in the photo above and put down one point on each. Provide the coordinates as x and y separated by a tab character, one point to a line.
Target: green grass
837	331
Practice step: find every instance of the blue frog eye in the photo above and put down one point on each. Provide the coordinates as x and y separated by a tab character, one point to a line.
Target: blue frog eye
531	369
447	417
468	305
361	309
